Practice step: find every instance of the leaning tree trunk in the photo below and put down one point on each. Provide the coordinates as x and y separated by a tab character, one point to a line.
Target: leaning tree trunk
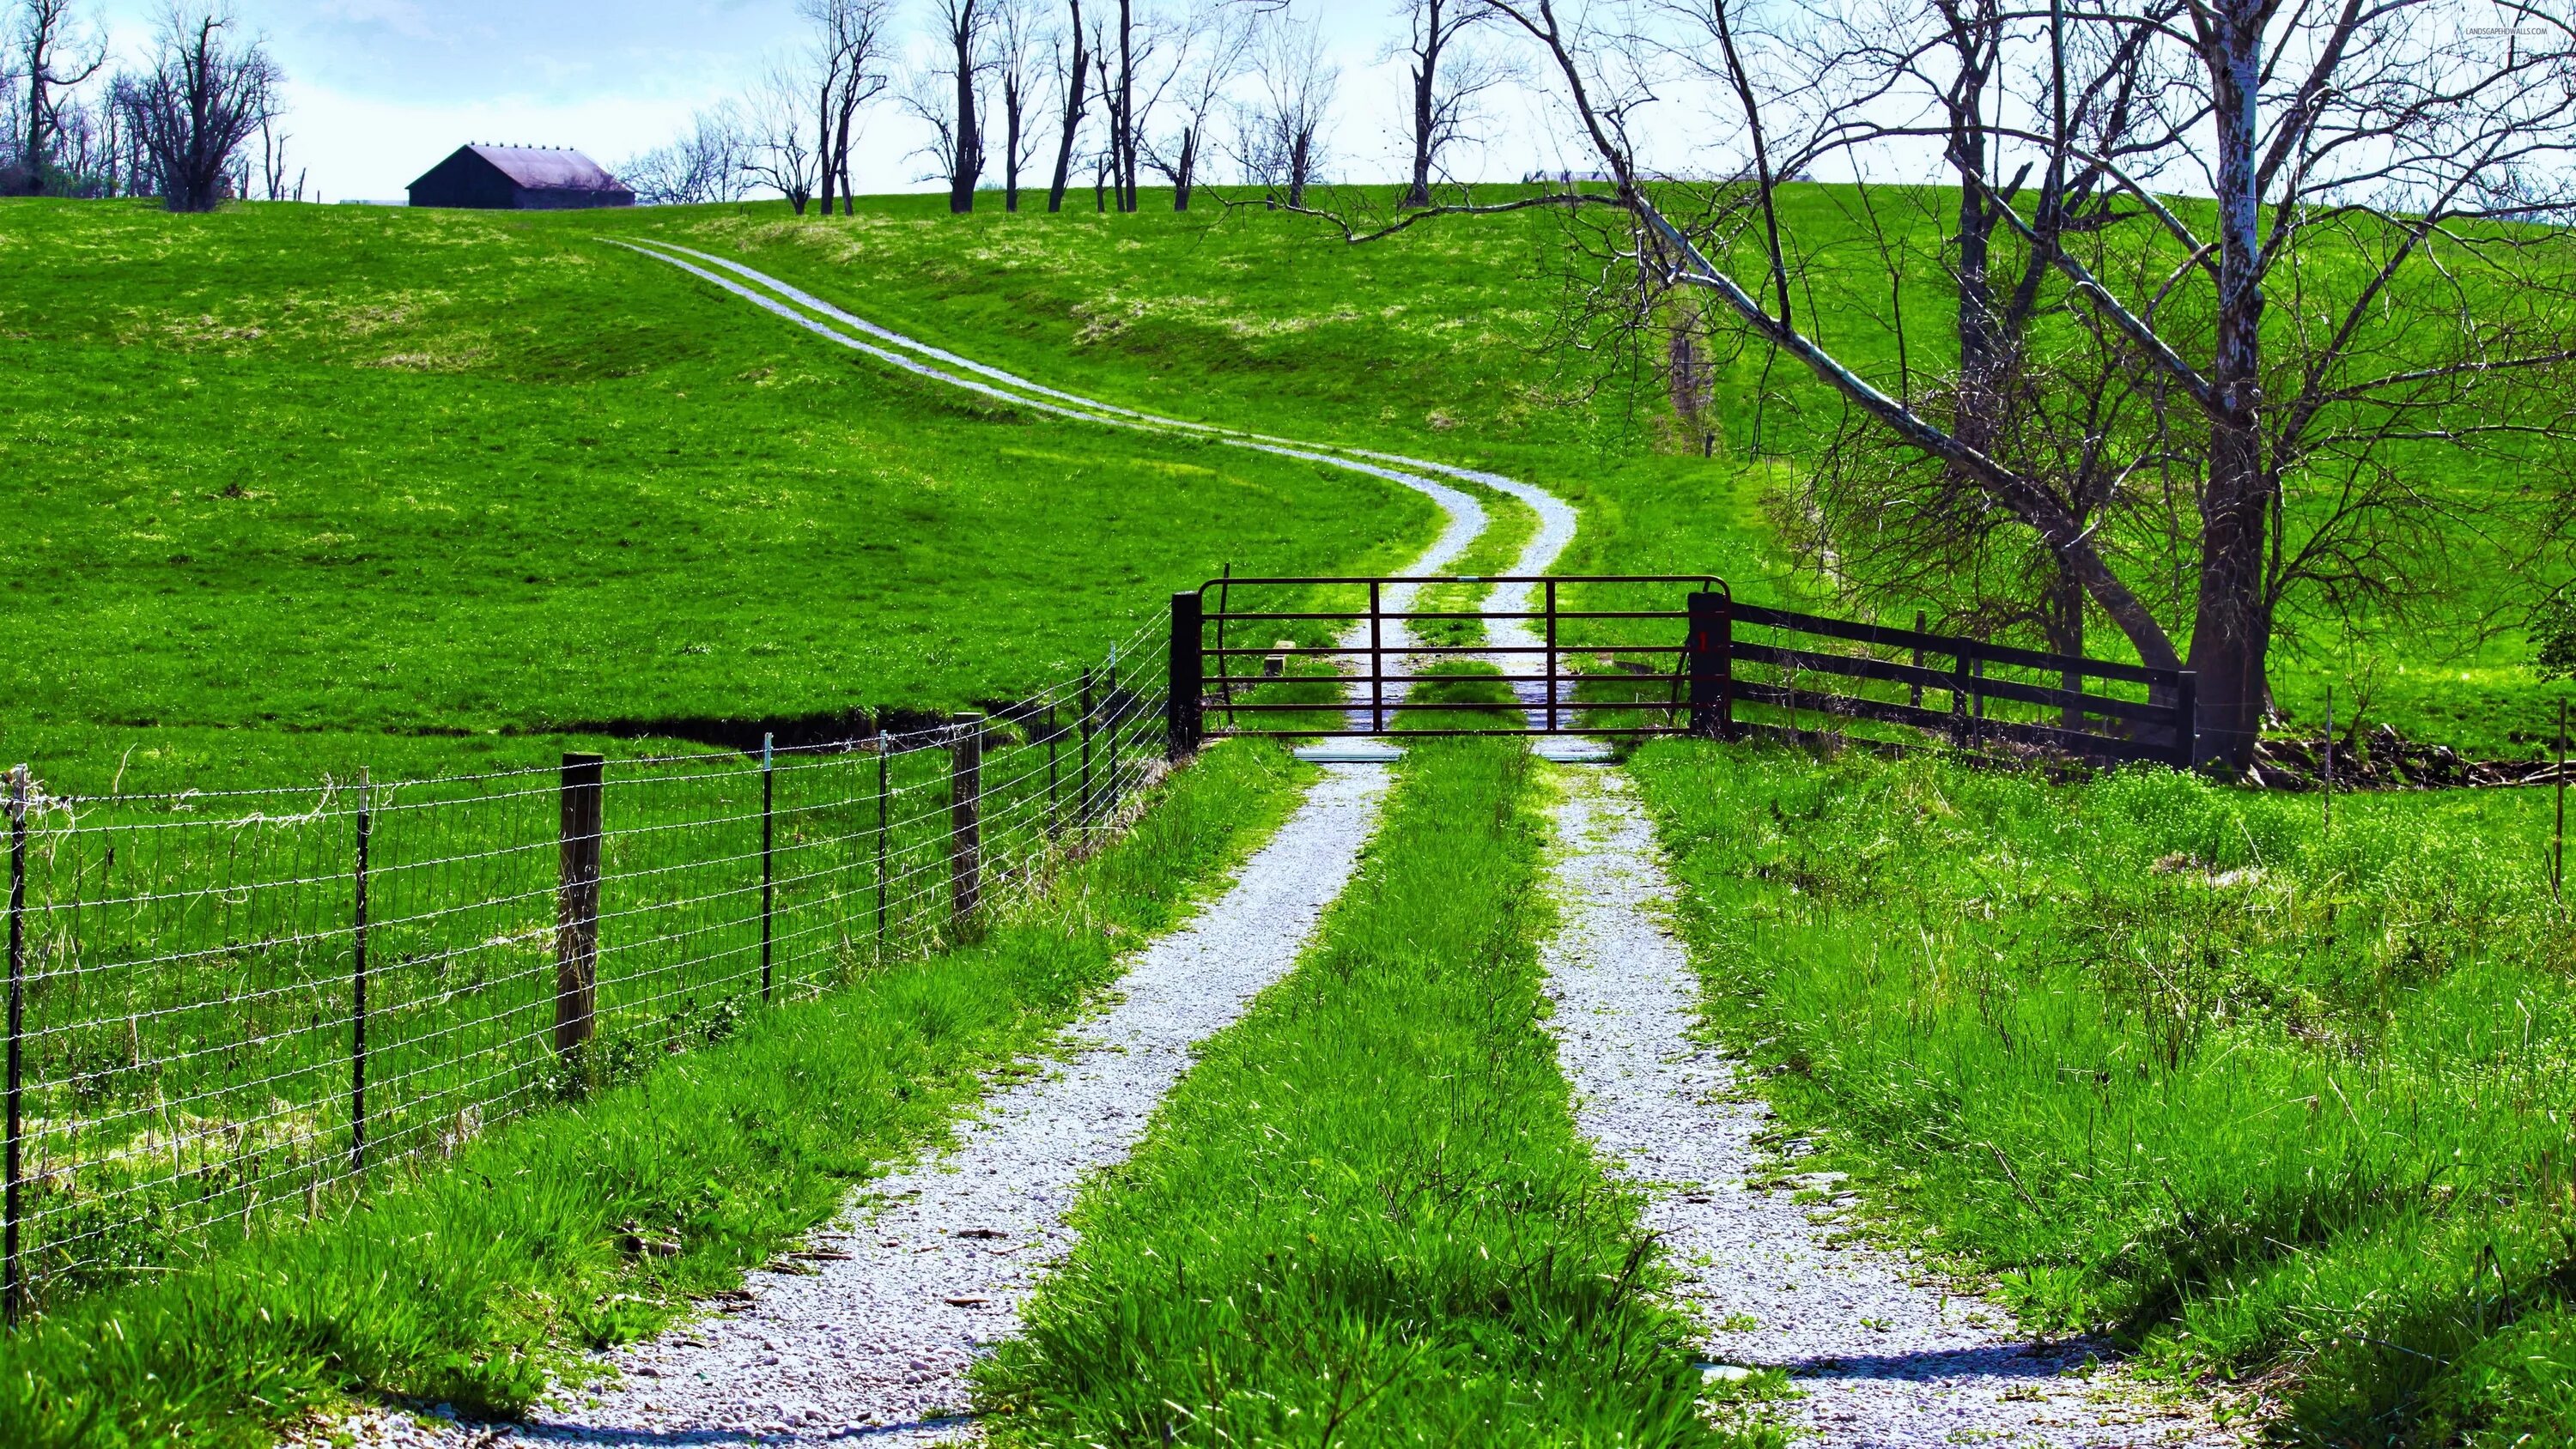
1181	173
1419	193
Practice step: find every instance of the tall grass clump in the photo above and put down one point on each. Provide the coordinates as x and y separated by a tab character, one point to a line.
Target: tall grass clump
2269	1100
477	1280
1365	1218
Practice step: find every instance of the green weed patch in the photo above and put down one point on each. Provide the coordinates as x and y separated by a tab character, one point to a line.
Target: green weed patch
474	1280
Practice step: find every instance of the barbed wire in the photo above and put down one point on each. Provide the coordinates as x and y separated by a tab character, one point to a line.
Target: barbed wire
236	1003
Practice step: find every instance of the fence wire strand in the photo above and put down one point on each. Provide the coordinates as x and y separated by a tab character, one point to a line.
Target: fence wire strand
191	1047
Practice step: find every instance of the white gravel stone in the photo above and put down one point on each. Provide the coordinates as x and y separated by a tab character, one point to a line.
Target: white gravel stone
941	1255
1882	1356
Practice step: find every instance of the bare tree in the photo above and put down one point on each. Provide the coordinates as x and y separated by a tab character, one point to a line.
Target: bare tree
930	95
1209	51
850	39
2381	292
944	96
1072	79
54	55
203	95
1279	135
1014	37
712	161
778	140
1449	76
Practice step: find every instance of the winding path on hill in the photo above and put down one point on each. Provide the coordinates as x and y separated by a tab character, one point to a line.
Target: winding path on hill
1464	518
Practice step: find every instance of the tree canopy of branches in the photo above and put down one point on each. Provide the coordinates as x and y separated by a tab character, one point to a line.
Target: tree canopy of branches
1209	50
52	56
944	97
712	161
1448	76
203	93
778	134
850	38
2180	413
1279	136
1014	37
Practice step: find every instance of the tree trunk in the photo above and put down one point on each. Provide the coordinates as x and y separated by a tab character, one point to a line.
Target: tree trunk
2232	627
1419	193
1125	139
968	162
823	142
1181	174
1072	116
1297	168
841	162
1011	146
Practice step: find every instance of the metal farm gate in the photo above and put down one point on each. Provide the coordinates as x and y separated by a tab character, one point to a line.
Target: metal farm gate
1629	655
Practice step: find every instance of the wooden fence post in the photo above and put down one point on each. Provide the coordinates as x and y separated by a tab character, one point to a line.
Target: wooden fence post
965	820
577	903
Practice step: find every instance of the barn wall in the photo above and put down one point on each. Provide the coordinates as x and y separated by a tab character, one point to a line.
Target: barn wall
466	180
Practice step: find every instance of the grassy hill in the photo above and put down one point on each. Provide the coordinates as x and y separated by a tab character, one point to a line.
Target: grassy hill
1444	341
298	488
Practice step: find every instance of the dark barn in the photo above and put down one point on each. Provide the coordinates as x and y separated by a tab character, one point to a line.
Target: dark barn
519	178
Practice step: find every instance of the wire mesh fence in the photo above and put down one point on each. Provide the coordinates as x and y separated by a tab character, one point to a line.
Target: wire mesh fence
225	1005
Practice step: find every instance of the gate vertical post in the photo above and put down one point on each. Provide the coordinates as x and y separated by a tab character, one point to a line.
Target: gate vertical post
965	818
577	904
358	986
1189	666
13	1281
768	842
1711	648
1377	663
1551	656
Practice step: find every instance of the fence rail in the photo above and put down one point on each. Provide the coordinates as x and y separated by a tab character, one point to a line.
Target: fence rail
1575	654
227	1005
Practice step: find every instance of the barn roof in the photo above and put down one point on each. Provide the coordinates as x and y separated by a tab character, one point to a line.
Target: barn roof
548	168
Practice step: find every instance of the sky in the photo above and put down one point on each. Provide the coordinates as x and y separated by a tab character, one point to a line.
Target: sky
378	91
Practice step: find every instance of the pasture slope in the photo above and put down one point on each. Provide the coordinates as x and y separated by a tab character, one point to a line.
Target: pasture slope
2185	1072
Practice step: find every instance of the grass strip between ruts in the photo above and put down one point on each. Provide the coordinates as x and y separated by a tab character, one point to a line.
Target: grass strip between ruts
1366	1216
474	1282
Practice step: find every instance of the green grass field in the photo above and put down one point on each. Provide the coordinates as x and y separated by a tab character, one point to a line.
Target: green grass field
301	490
2269	1101
307	471
437	1286
305	488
